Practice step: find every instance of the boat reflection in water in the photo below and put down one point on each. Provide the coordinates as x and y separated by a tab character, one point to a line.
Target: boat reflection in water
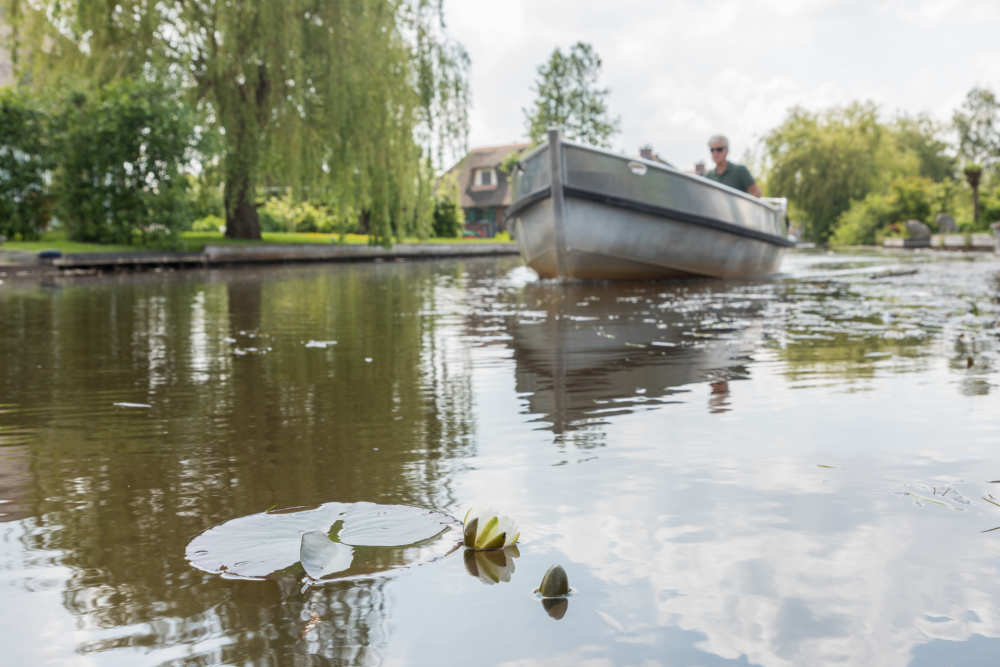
596	350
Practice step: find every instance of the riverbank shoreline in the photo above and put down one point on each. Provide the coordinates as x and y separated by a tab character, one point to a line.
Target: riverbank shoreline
977	242
22	264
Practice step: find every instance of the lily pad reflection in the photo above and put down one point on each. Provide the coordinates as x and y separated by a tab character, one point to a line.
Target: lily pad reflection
389	536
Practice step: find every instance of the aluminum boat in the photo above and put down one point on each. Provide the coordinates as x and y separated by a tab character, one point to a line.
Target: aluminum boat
586	213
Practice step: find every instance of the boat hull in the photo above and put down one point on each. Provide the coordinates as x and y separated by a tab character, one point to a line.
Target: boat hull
605	217
606	243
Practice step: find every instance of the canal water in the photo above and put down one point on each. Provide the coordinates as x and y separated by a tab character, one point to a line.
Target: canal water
797	471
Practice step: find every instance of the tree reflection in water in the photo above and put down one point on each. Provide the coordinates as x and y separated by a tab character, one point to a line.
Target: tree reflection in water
244	416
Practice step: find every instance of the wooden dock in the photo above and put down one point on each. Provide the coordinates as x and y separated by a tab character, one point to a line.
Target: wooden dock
226	255
24	264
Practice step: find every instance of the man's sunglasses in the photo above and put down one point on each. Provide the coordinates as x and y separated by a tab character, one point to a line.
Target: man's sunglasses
717	149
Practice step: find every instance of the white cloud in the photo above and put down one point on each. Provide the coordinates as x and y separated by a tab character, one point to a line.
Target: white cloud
938	12
681	70
779	596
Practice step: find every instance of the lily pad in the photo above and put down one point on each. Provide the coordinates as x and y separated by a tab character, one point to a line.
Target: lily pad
258	545
371	525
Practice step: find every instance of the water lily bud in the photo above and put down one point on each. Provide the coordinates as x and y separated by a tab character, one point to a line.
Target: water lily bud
555	583
485	529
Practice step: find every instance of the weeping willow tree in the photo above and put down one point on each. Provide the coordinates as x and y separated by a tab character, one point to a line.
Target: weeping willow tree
348	100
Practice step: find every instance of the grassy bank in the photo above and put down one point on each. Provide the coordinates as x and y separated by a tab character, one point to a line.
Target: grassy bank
196	241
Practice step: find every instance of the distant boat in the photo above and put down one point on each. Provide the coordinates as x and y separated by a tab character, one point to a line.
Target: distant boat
582	212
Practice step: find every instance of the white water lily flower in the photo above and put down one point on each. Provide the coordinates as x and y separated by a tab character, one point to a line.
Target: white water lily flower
486	529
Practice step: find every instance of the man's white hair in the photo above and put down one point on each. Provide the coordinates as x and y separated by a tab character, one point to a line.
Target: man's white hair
718	139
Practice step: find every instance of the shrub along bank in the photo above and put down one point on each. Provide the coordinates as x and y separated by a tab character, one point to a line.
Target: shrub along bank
130	164
854	176
106	165
118	176
24	203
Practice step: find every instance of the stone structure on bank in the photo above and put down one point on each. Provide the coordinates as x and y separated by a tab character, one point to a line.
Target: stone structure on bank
918	231
918	235
945	224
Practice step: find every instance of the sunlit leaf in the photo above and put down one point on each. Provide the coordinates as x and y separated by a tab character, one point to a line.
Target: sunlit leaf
320	556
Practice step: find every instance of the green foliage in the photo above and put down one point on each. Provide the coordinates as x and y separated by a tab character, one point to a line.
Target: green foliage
205	196
822	161
205	187
881	214
286	214
913	198
567	94
944	198
120	152
989	210
510	160
972	170
447	223
209	223
448	215
922	136
977	123
282	213
24	206
860	224
344	100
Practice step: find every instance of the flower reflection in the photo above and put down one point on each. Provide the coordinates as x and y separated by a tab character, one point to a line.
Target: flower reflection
555	607
491	567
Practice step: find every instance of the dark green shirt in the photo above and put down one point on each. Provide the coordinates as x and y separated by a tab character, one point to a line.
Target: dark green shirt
735	176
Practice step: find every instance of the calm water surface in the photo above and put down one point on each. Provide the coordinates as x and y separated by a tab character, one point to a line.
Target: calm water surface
798	471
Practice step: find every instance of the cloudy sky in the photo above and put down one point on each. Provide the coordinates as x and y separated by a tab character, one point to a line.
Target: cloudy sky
680	70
